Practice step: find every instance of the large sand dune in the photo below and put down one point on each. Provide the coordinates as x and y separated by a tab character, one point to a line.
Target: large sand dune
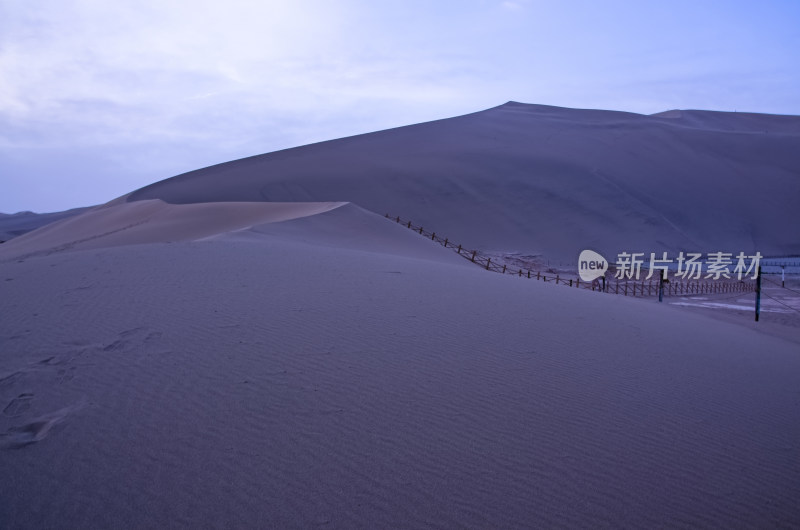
253	346
547	180
252	381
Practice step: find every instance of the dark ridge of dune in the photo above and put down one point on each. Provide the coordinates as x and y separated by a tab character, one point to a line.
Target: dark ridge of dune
547	180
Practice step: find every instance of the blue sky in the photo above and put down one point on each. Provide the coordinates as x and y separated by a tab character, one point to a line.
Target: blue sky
98	98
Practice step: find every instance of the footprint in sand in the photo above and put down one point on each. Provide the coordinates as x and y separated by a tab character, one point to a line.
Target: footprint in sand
124	338
18	405
66	374
10	379
134	339
35	431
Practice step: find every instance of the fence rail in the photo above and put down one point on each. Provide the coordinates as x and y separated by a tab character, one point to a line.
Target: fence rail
610	285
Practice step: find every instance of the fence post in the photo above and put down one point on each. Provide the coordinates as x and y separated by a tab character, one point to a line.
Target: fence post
758	293
537	275
661	286
556	279
445	242
473	256
488	262
504	269
409	224
570	282
433	236
579	283
529	273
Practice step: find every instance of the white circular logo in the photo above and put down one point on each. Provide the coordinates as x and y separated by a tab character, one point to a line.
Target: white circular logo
591	265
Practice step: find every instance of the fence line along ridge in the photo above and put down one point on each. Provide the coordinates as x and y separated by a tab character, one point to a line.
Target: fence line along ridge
625	287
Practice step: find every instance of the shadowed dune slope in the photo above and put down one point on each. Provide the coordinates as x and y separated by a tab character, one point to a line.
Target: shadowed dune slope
348	227
14	225
153	221
333	225
547	179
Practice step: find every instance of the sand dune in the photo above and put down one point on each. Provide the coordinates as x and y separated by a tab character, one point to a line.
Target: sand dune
270	383
349	227
153	221
210	352
547	179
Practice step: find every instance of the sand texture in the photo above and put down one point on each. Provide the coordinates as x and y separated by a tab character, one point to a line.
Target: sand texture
208	352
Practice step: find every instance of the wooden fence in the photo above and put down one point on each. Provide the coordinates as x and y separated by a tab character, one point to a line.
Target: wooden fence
611	285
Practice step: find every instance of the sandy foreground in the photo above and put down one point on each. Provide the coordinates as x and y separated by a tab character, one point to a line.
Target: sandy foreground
336	370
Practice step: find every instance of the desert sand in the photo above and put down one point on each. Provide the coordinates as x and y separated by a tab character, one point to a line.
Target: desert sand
196	355
549	180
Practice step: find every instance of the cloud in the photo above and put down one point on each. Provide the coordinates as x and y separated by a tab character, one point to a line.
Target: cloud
113	71
512	6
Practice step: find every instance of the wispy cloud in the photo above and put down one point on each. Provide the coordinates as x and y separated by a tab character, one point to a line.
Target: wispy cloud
513	6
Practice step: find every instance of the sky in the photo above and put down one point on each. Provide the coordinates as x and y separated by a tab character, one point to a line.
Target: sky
100	98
